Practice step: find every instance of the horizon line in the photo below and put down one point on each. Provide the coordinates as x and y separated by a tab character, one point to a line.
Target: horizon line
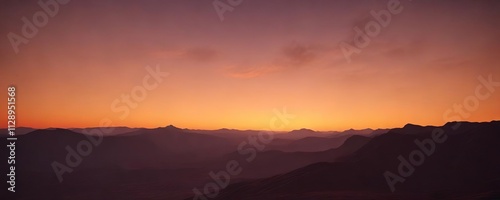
236	129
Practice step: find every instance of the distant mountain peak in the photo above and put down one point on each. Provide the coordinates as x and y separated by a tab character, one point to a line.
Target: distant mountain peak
410	125
171	127
302	130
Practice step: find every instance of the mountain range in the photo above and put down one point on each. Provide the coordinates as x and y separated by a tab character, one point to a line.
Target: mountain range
169	162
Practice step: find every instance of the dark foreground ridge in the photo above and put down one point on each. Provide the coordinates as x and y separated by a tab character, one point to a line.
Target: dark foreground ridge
463	166
168	162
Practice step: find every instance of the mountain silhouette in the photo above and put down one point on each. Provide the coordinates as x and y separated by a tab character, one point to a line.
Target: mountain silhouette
465	166
168	162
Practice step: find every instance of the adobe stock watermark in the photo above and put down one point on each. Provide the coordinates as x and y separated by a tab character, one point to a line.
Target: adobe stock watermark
250	148
427	147
40	19
122	106
373	28
222	6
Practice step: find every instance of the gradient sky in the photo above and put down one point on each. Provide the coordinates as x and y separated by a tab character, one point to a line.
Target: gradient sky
266	54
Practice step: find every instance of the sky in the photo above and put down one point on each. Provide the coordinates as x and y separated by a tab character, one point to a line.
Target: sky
232	72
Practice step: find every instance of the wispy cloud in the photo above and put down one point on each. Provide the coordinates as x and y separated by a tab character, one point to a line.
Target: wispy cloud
290	57
247	71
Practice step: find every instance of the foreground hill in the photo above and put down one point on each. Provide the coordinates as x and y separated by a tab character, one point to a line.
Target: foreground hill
269	163
464	166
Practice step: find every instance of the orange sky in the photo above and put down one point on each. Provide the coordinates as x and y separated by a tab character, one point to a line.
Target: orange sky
264	55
